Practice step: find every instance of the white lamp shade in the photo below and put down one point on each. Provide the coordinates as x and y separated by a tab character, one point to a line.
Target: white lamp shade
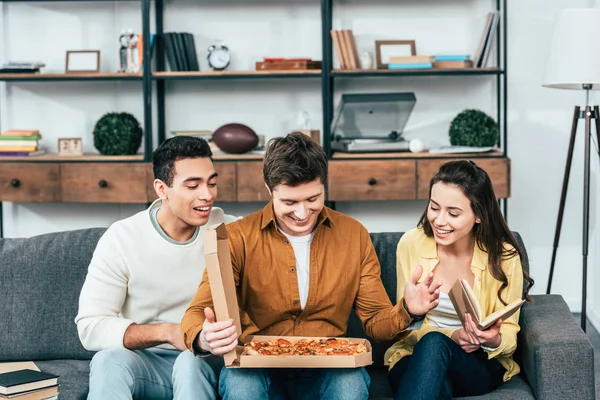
574	58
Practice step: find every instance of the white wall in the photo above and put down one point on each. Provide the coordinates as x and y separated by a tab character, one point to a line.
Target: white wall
539	118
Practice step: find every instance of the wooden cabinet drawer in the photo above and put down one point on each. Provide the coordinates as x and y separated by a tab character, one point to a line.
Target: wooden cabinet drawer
250	183
227	181
497	168
104	183
29	182
372	180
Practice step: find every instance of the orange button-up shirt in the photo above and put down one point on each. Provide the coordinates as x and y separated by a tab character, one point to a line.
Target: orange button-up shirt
344	272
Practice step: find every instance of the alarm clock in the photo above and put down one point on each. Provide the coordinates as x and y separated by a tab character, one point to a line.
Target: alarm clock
218	57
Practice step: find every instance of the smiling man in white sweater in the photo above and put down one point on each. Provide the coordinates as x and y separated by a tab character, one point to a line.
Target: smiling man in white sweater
143	274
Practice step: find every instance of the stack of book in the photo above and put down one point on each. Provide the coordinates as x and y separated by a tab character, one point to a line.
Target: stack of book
180	50
25	381
19	143
427	62
345	48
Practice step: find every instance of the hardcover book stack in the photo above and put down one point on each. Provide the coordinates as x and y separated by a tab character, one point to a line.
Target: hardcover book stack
19	143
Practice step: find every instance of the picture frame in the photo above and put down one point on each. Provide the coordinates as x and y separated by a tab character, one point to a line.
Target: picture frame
70	147
82	61
384	49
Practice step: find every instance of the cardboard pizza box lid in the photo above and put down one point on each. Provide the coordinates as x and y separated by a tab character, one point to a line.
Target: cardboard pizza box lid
220	276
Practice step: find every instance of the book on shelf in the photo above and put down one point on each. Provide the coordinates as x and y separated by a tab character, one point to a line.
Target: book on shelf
464	300
22	132
22	153
425	65
180	51
453	64
486	41
345	48
24	378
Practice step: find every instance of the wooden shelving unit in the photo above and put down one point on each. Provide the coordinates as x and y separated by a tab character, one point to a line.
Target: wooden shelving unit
416	72
86	157
45	77
234	75
410	155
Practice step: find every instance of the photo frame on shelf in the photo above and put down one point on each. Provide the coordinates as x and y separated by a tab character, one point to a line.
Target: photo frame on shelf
82	61
384	49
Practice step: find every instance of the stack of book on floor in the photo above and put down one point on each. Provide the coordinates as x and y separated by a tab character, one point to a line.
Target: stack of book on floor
345	48
25	381
428	62
20	143
180	51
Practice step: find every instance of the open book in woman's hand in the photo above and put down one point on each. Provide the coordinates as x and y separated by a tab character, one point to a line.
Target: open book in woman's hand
463	298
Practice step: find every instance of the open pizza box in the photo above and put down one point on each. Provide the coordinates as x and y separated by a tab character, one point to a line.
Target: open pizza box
222	286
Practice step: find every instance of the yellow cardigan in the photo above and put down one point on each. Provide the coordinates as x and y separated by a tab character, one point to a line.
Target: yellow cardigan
414	249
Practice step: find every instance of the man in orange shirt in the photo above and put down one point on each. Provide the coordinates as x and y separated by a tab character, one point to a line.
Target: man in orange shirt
299	268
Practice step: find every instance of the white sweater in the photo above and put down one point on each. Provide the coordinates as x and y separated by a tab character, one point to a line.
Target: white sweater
137	276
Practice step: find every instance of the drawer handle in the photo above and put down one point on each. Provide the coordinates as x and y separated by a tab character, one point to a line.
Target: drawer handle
103	184
372	181
15	183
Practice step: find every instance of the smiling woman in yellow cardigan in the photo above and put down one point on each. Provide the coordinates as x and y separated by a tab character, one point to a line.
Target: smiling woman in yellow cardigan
461	235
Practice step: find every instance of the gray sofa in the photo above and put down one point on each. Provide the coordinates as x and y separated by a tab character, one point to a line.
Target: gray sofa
40	280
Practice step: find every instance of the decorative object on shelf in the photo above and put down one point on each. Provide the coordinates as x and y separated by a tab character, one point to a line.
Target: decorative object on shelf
218	56
70	147
574	65
82	61
281	64
385	49
474	128
371	122
131	54
235	138
366	60
117	134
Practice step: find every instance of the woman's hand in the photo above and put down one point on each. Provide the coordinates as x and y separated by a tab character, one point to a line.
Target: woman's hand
464	340
421	297
489	337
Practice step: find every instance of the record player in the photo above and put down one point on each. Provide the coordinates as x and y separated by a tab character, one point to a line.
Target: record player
371	122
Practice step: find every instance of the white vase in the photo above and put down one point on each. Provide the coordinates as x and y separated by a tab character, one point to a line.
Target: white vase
366	60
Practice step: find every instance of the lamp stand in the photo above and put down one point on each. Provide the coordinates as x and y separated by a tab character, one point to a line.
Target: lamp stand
590	113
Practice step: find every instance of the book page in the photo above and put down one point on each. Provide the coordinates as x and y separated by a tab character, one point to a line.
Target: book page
16	366
458	299
476	314
503	313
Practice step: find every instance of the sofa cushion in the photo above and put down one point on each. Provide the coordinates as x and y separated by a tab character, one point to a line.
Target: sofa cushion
73	377
40	281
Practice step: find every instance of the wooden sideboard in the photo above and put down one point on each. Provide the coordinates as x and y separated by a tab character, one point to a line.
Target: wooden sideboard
239	181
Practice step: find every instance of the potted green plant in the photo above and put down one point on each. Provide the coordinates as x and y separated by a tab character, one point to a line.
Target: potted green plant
474	128
117	134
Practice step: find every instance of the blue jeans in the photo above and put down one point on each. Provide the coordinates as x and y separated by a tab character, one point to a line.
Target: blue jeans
440	369
152	374
284	383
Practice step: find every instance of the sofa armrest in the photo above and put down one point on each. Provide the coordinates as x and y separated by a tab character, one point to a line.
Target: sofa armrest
556	354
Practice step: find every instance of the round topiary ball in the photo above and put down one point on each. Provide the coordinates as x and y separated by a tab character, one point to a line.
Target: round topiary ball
474	128
117	134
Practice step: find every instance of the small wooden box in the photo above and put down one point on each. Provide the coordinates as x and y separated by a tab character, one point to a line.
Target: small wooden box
70	147
287	65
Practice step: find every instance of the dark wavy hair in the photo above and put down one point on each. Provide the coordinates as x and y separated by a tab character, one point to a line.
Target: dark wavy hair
175	149
492	233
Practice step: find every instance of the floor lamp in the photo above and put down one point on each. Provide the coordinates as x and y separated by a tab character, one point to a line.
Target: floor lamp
574	64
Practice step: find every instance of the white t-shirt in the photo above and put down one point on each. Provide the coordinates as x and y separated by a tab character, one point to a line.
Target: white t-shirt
138	276
301	246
